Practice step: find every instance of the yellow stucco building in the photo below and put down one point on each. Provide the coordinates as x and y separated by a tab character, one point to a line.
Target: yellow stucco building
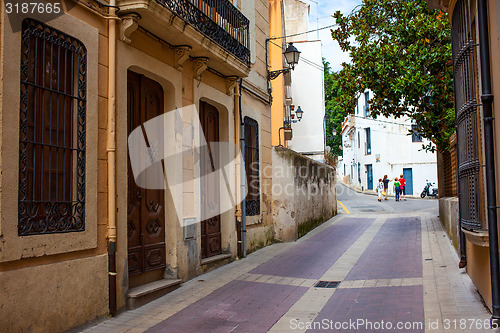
277	87
79	238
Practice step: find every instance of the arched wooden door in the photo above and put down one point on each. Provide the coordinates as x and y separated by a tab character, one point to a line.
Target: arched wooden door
210	184
145	207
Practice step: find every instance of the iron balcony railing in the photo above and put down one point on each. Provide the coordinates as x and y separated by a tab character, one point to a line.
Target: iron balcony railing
219	20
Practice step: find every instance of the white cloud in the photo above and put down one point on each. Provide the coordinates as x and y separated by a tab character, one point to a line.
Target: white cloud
321	15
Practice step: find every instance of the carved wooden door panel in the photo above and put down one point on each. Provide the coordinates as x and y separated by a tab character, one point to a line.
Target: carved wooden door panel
210	185
146	208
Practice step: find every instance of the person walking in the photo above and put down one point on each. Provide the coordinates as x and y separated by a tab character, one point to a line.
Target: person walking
402	185
386	186
397	190
380	189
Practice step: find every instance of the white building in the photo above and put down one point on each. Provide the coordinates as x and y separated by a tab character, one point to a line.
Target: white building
307	87
373	148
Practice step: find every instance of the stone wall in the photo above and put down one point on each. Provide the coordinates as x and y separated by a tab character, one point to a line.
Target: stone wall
54	297
448	214
304	194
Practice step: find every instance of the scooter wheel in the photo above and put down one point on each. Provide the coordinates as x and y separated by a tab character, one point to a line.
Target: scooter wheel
422	195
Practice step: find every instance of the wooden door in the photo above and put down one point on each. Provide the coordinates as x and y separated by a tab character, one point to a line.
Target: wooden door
408	175
369	177
146	208
210	186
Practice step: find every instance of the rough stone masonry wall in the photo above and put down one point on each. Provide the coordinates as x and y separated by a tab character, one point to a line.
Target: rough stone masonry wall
304	194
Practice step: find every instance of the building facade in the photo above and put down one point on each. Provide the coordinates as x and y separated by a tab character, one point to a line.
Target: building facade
307	84
476	64
80	236
303	86
382	146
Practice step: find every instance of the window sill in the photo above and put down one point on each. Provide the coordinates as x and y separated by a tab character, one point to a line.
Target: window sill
479	238
254	220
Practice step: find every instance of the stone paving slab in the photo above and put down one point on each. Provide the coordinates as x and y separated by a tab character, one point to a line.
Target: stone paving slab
311	259
372	309
394	253
240	305
449	294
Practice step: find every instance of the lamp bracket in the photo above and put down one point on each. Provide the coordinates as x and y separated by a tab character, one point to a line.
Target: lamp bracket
274	74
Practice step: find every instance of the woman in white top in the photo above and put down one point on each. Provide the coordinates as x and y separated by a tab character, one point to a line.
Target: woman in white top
380	189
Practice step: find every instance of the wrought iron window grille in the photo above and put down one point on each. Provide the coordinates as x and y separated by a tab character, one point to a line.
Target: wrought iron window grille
52	131
220	20
466	106
252	171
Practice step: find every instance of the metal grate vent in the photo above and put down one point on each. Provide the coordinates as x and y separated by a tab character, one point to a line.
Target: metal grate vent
327	284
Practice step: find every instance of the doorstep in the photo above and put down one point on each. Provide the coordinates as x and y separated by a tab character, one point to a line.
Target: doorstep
138	296
211	263
216	258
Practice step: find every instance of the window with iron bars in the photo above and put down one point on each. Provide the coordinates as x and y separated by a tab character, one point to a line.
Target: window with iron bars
466	108
415	137
52	131
252	166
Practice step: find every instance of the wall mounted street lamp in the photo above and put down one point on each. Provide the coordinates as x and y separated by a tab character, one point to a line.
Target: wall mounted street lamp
291	118
334	131
299	113
287	128
292	56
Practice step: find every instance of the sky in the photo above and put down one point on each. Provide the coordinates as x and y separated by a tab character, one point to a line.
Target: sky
321	12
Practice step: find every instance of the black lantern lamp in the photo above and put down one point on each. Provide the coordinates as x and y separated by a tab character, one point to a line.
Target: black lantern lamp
292	55
299	114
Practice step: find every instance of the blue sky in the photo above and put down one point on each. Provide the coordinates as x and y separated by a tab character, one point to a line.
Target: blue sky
325	10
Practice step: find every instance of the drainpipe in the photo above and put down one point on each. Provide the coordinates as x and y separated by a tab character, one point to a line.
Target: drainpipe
489	150
243	180
238	170
111	151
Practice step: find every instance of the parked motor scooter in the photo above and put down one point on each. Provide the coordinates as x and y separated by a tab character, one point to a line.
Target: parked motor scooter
429	190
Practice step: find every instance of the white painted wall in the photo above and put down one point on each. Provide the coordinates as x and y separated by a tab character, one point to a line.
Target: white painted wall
296	19
389	140
308	93
307	90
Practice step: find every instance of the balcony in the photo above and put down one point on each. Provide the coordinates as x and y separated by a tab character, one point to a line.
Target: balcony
217	19
215	29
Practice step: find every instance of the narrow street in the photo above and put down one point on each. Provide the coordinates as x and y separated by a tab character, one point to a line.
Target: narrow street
386	267
359	203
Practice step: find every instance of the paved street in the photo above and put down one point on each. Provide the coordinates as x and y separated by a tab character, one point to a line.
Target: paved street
390	269
363	203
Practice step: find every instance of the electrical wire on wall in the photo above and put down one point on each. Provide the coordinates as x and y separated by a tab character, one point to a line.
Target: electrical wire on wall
382	121
303	33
